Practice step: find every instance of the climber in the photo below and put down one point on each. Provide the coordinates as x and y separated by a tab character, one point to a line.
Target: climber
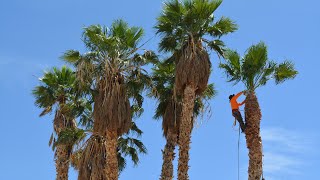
235	109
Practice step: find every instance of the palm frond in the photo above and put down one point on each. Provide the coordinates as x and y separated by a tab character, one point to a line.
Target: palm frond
131	147
232	66
70	136
210	92
71	56
254	62
222	27
285	71
55	85
218	46
122	163
266	75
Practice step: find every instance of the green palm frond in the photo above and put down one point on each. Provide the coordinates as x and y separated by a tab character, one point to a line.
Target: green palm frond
210	92
56	85
266	75
284	71
135	129
218	46
255	69
222	27
232	66
254	62
46	110
122	163
180	20
200	103
44	97
131	147
169	43
95	37
71	56
70	136
129	36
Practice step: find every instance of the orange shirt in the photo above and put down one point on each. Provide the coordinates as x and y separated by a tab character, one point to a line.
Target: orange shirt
234	103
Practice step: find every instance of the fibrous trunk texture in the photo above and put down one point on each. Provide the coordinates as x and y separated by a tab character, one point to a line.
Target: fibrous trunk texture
254	143
168	156
62	155
193	67
93	159
185	131
112	159
112	110
172	117
63	152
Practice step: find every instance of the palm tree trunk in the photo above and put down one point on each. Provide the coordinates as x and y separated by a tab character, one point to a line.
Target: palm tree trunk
62	155
112	160
253	138
168	156
185	131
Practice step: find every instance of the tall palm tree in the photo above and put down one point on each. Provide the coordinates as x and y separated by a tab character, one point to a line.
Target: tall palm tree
55	94
255	70
169	109
185	27
112	69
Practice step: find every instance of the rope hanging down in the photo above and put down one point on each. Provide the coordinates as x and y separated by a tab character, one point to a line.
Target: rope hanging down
238	154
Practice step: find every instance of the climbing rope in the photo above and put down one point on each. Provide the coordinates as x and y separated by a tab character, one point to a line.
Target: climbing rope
238	154
262	161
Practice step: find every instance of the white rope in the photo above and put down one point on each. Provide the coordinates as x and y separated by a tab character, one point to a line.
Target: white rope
238	154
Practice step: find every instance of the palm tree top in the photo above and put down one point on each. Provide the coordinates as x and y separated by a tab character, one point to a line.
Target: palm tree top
116	46
118	41
56	88
112	53
255	69
181	20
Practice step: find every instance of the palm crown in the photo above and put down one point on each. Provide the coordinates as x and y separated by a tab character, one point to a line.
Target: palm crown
113	65
185	28
192	19
255	69
113	49
56	89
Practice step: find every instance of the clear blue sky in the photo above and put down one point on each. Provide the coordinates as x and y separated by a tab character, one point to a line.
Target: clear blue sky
34	34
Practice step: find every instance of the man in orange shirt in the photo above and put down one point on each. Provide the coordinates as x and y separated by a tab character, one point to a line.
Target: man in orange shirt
235	109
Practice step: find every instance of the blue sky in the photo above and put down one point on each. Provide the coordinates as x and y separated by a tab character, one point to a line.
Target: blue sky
34	34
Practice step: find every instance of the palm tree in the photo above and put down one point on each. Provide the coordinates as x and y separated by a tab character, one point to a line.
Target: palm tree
184	27
55	94
255	70
112	70
169	109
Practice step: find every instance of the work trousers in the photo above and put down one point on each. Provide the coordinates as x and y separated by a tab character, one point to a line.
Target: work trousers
236	113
